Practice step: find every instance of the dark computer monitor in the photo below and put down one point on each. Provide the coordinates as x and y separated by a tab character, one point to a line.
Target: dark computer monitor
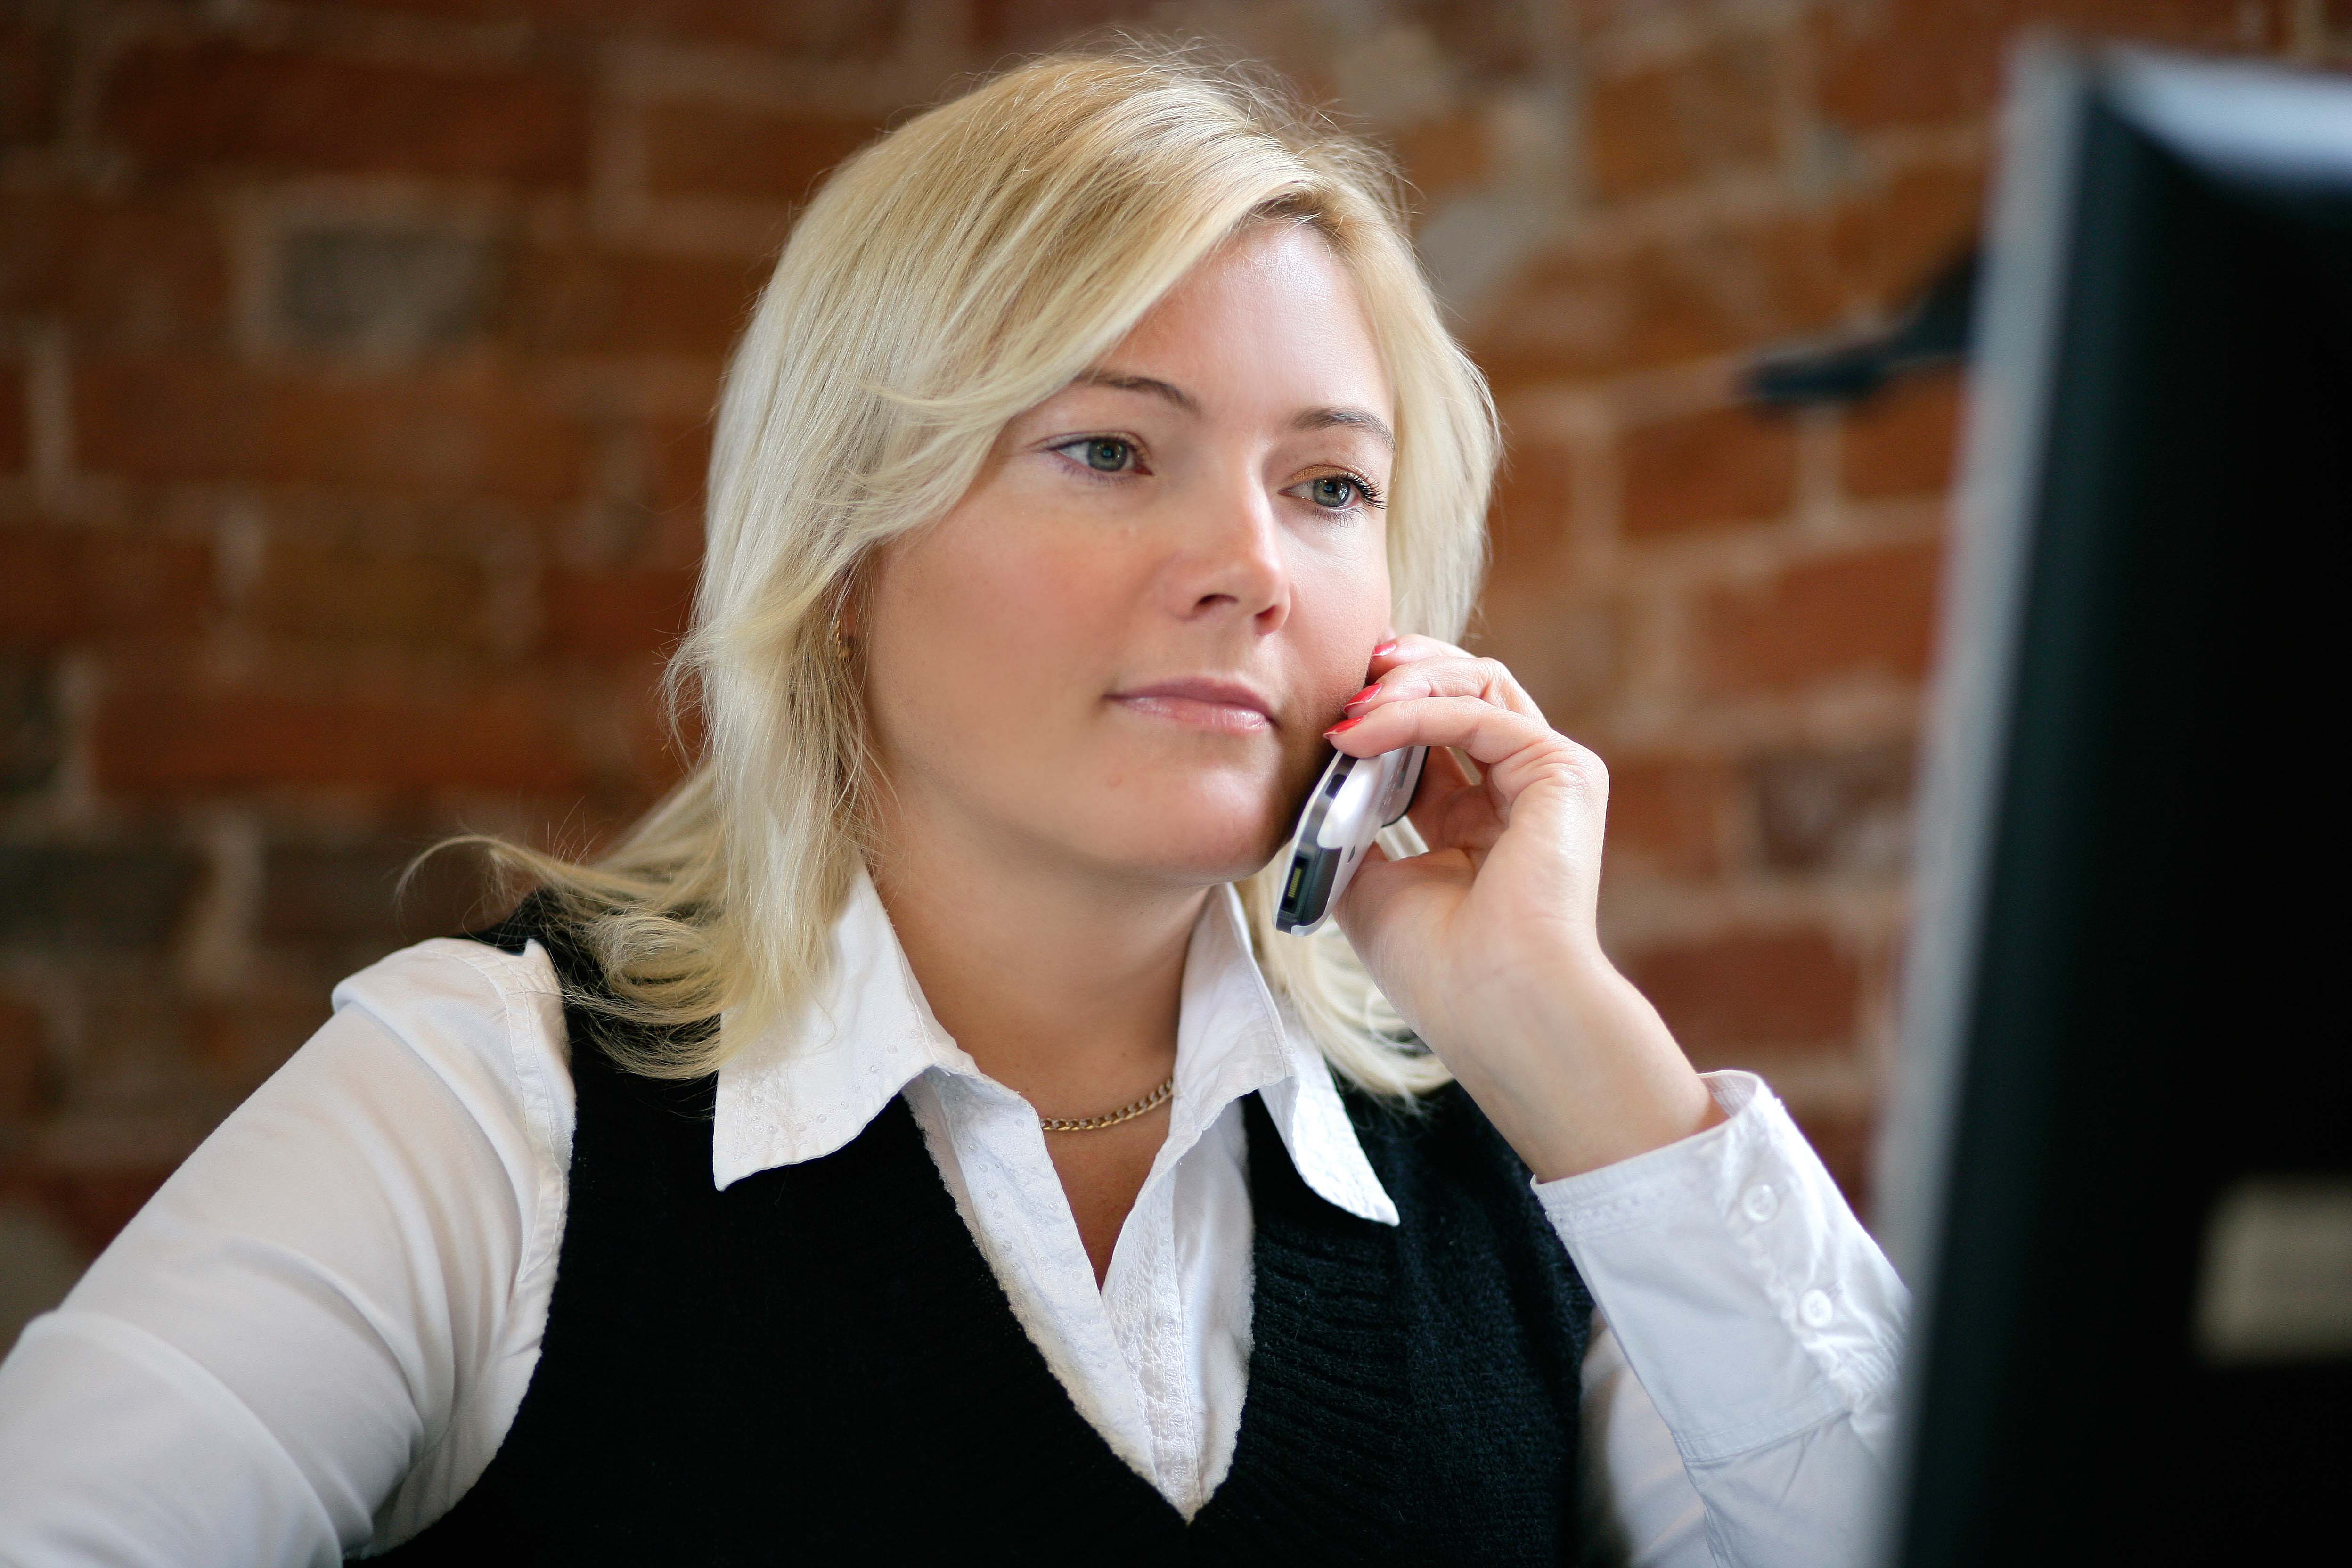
2118	1169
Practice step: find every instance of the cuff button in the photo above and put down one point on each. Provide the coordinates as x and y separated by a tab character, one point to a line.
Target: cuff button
1814	1307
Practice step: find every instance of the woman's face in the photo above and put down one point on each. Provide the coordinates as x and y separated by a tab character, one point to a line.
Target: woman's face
1122	648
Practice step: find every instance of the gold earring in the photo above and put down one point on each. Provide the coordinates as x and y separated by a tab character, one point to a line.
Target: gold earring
840	644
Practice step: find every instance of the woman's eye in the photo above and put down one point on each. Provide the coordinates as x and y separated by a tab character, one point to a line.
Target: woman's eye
1332	491
1336	492
1103	453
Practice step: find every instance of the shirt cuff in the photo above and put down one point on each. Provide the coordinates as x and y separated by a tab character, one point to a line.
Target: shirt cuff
1748	1298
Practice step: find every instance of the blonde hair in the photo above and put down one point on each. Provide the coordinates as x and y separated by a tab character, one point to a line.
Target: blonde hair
947	277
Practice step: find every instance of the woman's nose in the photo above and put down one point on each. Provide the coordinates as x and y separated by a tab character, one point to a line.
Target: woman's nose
1234	563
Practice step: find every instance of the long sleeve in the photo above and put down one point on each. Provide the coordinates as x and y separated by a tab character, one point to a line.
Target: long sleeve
305	1341
1762	1328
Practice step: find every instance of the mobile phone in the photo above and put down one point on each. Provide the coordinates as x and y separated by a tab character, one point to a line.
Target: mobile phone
1356	797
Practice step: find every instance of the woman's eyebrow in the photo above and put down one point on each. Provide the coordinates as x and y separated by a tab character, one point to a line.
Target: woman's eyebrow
1309	419
1353	419
1150	385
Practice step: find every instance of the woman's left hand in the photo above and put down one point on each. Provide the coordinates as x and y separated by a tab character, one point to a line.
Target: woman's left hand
1487	944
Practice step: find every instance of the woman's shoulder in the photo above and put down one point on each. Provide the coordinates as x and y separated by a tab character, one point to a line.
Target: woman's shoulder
359	1258
485	1020
463	975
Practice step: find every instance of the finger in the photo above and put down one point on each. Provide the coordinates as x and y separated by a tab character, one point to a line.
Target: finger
1512	750
1396	652
1408	648
1452	674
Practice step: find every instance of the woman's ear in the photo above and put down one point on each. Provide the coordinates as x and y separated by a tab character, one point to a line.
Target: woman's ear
848	603
843	617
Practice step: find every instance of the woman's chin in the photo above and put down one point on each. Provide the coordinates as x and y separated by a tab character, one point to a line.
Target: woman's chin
1198	850
1194	826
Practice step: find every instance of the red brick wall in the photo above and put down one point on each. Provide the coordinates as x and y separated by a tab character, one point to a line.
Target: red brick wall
354	364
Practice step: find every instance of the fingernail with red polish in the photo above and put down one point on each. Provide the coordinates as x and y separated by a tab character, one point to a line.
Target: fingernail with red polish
1388	647
1360	695
1343	724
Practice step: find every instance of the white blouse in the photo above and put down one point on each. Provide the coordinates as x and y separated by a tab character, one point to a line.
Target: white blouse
314	1338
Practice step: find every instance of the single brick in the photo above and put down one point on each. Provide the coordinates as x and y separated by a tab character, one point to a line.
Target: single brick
178	109
1789	273
32	75
1661	125
1666	813
25	1068
481	428
1592	17
651	759
1846	809
1890	242
1901	441
1740	282
619	613
89	1202
15	418
163	743
1528	521
1634	139
374	290
1485	43
1039	24
242	1038
349	594
146	271
1580	312
1910	62
1723	465
1445	156
1845	1140
603	302
681	457
40	1260
694	149
827	29
1870	612
32	738
1750	989
94	896
1569	653
61	585
350	896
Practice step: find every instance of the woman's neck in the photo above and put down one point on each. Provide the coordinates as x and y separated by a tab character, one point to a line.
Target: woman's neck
1063	986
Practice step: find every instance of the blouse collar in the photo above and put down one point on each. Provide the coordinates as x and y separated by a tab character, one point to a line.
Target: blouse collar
805	1086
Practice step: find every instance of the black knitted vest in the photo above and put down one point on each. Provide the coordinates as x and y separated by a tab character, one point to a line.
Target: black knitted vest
817	1367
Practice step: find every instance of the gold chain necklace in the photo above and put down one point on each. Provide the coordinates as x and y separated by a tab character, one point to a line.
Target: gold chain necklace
1109	1118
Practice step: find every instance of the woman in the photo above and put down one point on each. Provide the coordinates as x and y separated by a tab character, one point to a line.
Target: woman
914	1139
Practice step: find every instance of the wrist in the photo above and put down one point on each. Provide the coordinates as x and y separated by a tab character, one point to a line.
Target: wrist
1578	1071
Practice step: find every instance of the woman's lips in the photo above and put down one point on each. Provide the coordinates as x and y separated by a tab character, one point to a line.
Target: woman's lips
1222	707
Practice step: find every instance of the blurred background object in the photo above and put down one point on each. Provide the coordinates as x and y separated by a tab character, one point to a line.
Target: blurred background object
2116	1170
354	363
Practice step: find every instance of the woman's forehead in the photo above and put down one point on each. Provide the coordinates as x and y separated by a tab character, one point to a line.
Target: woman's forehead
1269	321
